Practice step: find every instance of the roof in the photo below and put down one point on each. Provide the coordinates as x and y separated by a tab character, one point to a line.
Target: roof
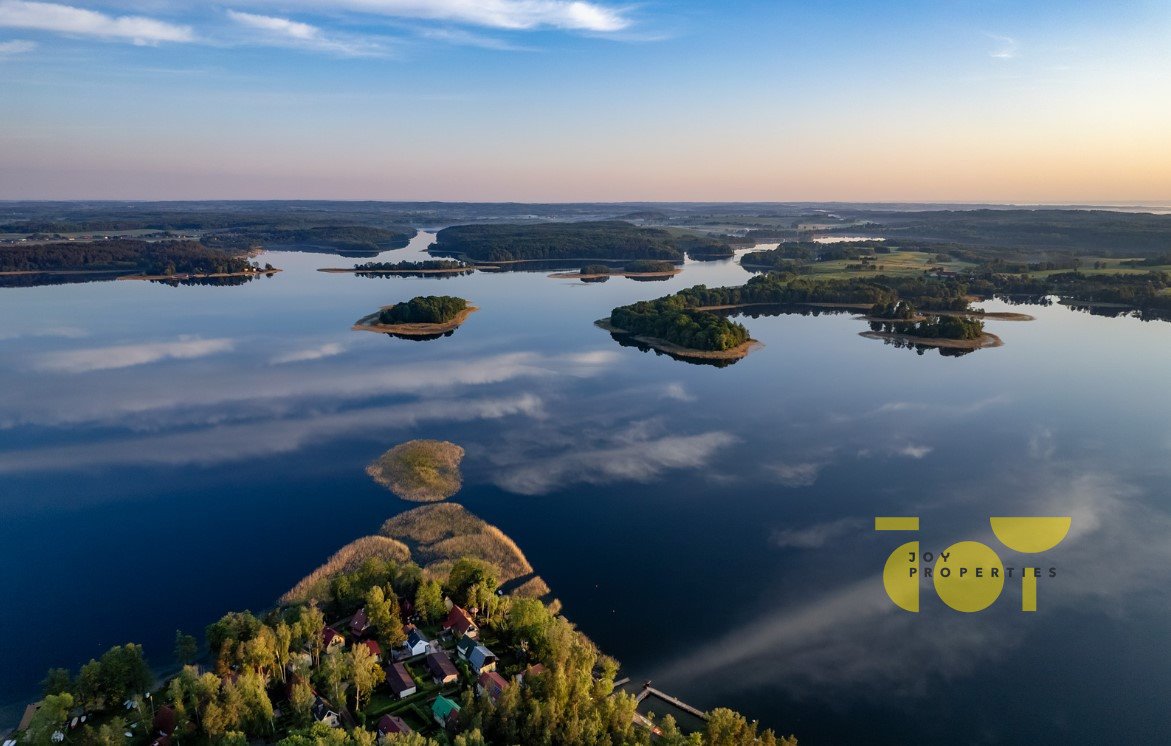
374	647
322	709
480	656
536	670
459	620
492	683
443	707
399	678
392	724
164	722
441	666
465	646
330	634
360	620
414	637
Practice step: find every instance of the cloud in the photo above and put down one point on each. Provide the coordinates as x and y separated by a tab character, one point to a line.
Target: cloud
232	443
1042	445
631	456
1006	48
518	15
288	32
797	474
127	356
815	536
466	38
66	19
677	392
914	451
331	349
15	47
64	332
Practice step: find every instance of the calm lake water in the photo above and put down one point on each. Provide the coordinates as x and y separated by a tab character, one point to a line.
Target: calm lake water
171	453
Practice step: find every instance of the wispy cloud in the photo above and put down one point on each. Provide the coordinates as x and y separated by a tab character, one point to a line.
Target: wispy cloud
912	450
331	349
631	456
465	38
800	474
127	356
574	15
287	32
66	19
815	536
1006	47
677	392
15	47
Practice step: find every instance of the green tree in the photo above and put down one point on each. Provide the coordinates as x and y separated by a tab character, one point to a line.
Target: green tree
50	718
366	673
333	673
57	681
382	611
429	601
186	648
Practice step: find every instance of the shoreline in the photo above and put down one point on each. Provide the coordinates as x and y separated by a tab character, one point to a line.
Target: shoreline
670	348
453	270
986	340
211	276
598	275
368	324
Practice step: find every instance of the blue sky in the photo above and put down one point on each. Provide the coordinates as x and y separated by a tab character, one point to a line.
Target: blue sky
552	100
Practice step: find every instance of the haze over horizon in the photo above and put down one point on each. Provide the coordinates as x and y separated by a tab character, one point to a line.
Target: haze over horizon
556	101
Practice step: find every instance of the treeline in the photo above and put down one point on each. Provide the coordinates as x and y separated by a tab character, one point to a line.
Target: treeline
648	265
344	238
785	288
589	240
185	257
1141	291
430	264
425	309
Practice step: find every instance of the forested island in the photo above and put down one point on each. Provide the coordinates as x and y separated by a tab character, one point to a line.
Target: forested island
129	258
422	316
343	239
411	639
420	470
408	269
639	268
610	240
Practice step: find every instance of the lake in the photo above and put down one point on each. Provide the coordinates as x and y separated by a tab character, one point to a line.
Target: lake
169	453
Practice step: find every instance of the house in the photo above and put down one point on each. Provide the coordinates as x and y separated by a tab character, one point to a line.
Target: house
444	710
164	721
332	637
324	713
374	648
400	680
360	623
392	724
482	659
536	670
460	623
491	685
417	643
464	647
442	669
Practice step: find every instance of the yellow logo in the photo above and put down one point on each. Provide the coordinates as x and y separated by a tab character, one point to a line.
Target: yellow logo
969	576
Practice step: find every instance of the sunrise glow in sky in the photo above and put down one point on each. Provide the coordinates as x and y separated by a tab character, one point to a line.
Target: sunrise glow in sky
552	100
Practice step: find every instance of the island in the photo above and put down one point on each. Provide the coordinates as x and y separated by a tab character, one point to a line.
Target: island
434	632
346	240
420	470
607	240
422	316
639	268
406	269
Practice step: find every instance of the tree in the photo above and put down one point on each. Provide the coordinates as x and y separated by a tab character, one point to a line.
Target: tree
57	681
333	673
365	672
283	643
382	612
468	579
112	733
301	699
186	648
50	718
429	601
310	627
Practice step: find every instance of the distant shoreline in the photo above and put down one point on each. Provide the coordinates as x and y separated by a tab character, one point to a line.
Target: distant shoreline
670	348
600	275
369	323
449	270
193	276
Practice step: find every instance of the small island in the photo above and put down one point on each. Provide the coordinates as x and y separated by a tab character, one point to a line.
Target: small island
422	316
640	268
668	326
423	471
406	269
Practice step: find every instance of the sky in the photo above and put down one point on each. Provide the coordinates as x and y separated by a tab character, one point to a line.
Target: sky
1033	101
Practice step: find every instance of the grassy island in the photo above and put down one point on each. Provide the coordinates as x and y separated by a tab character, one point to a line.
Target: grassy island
420	470
422	316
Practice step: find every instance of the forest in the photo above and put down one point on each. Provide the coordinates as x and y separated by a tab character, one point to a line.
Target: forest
671	319
424	309
186	257
354	238
588	240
